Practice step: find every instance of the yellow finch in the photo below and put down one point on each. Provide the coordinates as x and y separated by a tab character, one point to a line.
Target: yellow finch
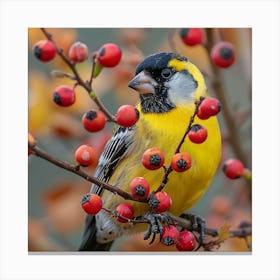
168	85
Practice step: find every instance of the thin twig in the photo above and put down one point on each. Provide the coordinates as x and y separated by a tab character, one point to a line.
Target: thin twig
86	85
169	169
76	170
92	71
171	34
216	83
242	232
197	103
187	224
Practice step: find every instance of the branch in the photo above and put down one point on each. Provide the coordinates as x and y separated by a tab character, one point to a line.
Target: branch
76	170
171	34
85	84
168	170
216	82
242	232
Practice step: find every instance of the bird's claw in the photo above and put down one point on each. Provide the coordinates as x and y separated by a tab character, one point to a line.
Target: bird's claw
155	225
197	223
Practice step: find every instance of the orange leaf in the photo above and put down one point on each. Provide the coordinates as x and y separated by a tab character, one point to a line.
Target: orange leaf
224	232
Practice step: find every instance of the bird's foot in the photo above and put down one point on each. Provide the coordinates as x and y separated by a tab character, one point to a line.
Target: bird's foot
197	223
155	226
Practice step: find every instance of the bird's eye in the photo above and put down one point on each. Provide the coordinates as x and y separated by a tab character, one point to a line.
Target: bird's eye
166	73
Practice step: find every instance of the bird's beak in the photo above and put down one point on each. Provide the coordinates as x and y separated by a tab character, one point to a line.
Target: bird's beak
143	83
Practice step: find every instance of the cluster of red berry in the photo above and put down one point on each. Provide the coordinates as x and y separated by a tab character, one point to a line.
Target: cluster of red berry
153	159
109	55
183	240
222	53
94	120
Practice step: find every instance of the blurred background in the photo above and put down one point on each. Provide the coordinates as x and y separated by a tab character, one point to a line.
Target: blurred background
56	218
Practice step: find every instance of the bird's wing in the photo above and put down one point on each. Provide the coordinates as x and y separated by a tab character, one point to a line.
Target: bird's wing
115	150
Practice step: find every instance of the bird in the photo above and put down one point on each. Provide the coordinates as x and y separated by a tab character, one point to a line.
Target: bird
168	85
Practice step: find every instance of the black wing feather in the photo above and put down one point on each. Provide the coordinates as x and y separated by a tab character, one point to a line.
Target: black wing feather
114	151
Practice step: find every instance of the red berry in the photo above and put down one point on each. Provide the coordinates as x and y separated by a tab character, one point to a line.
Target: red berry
181	162
197	134
191	36
125	210
208	107
153	158
94	120
139	188
85	155
185	241
223	54
169	235
78	52
91	203
64	96
233	168
109	55
32	141
44	50
160	202
127	115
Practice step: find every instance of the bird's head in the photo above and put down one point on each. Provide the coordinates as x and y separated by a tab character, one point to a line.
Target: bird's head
166	81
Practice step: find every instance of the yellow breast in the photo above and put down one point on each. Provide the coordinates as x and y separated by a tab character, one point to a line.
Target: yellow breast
165	131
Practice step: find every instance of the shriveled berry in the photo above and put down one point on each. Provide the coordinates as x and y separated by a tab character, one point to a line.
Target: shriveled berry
160	202
197	134
191	36
181	162
153	158
223	54
91	203
109	55
169	235
125	210
139	187
233	168
64	96
127	115
85	155
44	50
185	241
93	120
78	52
208	107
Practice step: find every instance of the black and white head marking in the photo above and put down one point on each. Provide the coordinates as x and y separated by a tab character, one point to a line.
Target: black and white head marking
162	87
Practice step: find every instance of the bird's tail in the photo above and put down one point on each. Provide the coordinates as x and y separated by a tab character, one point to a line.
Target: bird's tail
89	237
